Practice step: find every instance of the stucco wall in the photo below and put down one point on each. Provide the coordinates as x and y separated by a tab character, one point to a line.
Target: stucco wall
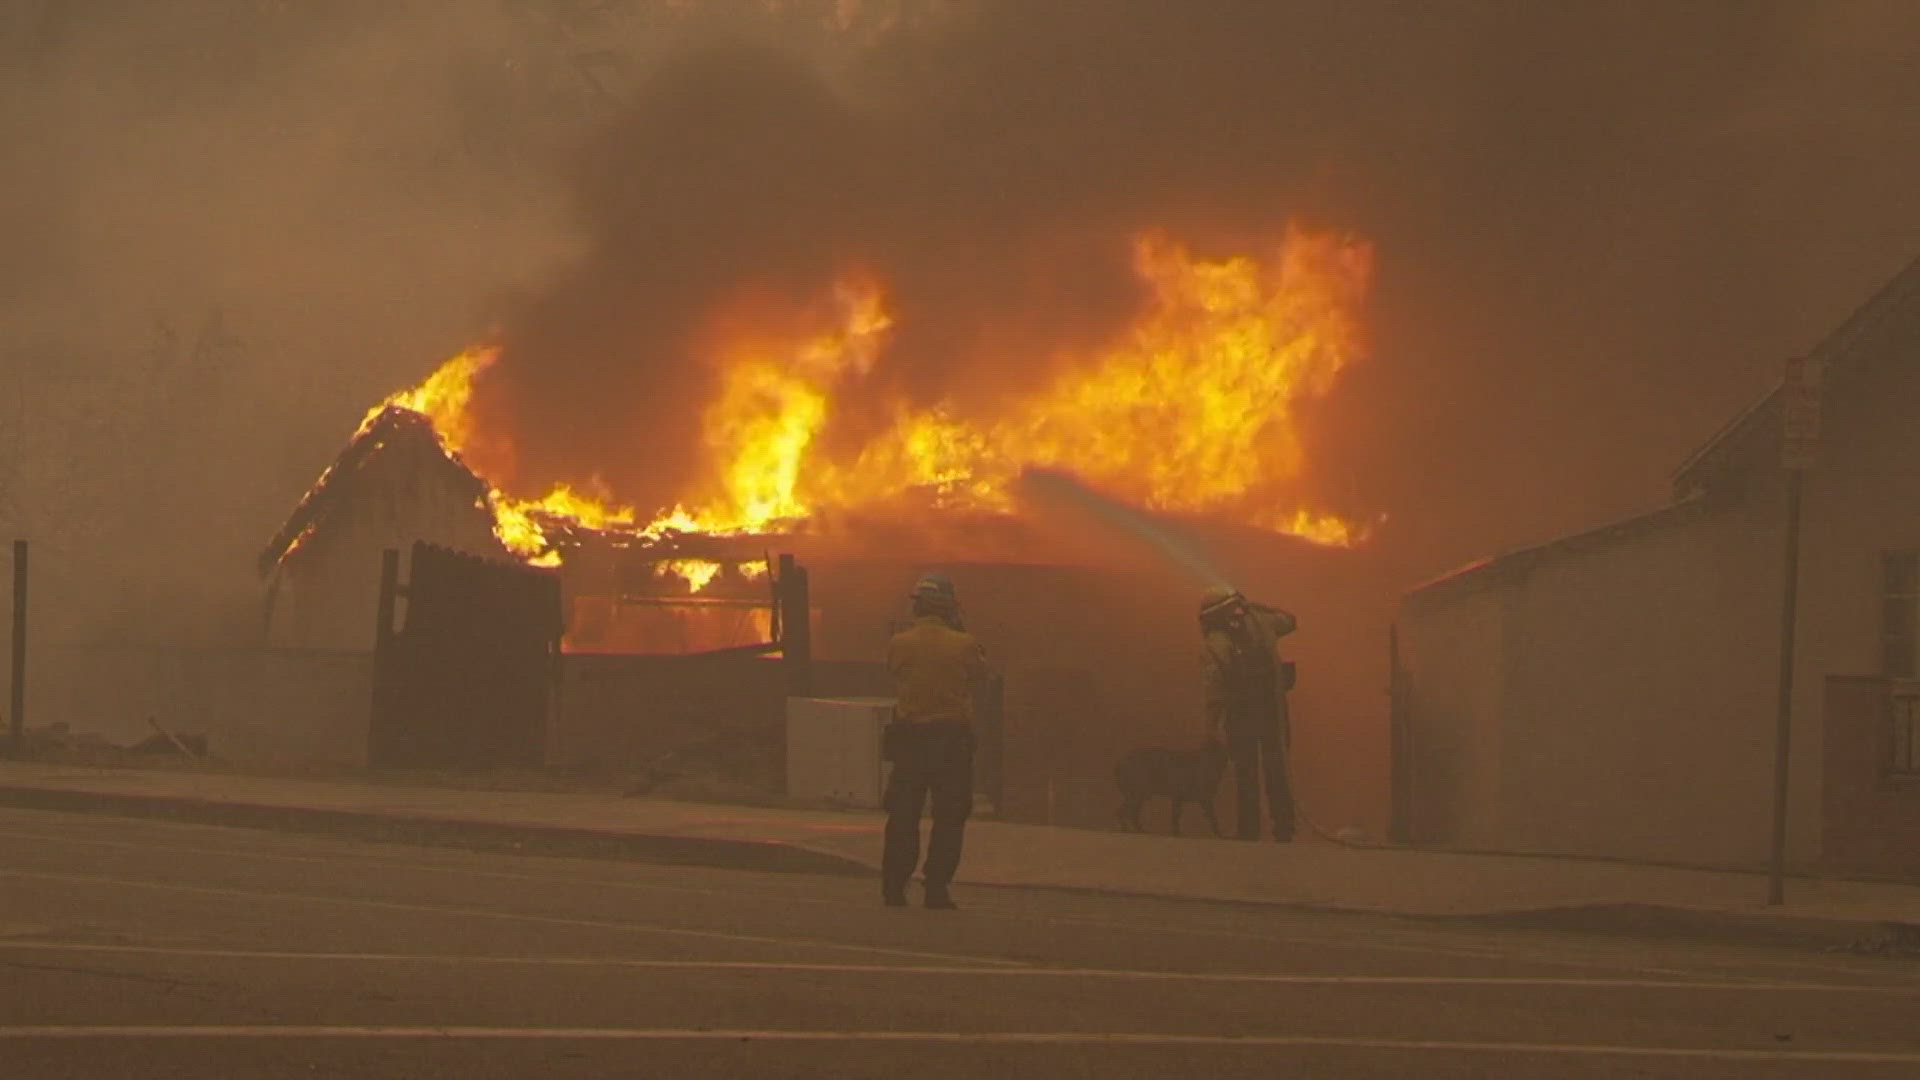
1452	649
1639	714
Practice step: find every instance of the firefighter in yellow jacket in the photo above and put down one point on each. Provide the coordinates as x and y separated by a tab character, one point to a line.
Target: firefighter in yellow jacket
1246	687
935	664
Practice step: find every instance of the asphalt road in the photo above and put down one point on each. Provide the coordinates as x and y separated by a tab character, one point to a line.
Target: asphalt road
136	948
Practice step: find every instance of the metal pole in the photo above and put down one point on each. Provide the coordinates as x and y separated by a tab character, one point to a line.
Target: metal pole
1783	721
17	713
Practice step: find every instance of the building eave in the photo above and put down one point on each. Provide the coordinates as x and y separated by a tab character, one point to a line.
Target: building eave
1487	572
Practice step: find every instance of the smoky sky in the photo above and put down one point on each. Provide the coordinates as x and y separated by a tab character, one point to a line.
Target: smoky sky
1593	222
1599	226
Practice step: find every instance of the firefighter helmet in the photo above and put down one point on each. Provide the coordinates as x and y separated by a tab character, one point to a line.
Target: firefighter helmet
933	585
1218	602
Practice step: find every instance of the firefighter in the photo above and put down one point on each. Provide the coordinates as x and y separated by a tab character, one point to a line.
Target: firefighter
1246	686
930	743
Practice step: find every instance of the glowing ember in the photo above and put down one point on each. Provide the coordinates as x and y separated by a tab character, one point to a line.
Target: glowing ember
1193	409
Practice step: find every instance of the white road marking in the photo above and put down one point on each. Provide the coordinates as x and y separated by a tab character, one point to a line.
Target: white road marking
1015	1038
480	913
1116	974
1370	943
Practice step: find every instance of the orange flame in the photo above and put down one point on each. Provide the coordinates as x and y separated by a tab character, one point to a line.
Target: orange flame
1193	409
697	573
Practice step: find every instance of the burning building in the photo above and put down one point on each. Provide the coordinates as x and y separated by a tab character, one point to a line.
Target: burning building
801	448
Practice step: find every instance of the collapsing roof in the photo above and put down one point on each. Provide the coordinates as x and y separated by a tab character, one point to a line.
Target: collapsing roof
395	431
400	444
1748	442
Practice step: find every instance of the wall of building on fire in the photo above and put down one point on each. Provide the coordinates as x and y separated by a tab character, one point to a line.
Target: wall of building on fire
1094	662
325	592
1614	693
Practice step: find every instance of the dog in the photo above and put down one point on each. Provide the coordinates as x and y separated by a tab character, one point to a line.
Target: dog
1181	776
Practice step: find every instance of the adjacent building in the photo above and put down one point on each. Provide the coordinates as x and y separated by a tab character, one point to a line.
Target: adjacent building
1614	692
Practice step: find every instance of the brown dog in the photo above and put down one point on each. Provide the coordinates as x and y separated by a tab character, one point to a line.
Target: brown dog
1181	776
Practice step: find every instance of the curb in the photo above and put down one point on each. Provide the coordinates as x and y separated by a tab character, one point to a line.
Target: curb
1890	938
1894	937
552	840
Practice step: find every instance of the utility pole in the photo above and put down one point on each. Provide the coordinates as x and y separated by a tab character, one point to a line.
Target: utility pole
1799	433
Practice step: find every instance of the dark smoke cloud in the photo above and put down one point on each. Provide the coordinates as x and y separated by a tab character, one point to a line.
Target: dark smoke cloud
1596	222
1599	224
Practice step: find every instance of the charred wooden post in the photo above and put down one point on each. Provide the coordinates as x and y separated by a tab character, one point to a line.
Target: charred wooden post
379	738
17	711
389	594
796	627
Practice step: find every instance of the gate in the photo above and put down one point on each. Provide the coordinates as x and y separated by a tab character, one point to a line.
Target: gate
467	680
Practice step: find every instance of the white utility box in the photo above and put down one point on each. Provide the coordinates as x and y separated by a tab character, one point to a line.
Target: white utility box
833	749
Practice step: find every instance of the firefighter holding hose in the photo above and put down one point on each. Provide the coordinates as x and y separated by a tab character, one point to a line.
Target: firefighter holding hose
935	664
1246	685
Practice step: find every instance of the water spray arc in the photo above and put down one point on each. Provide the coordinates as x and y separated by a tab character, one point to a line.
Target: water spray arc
1063	487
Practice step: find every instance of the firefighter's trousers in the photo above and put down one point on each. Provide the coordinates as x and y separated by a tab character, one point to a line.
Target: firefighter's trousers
929	759
1258	751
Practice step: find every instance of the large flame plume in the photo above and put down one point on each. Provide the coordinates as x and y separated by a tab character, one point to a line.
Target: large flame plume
1193	409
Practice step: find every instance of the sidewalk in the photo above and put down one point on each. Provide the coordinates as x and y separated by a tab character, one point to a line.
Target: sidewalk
1545	891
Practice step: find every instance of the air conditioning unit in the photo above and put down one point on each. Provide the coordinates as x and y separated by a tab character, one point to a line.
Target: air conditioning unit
833	749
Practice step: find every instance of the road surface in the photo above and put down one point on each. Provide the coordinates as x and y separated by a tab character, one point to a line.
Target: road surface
136	948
